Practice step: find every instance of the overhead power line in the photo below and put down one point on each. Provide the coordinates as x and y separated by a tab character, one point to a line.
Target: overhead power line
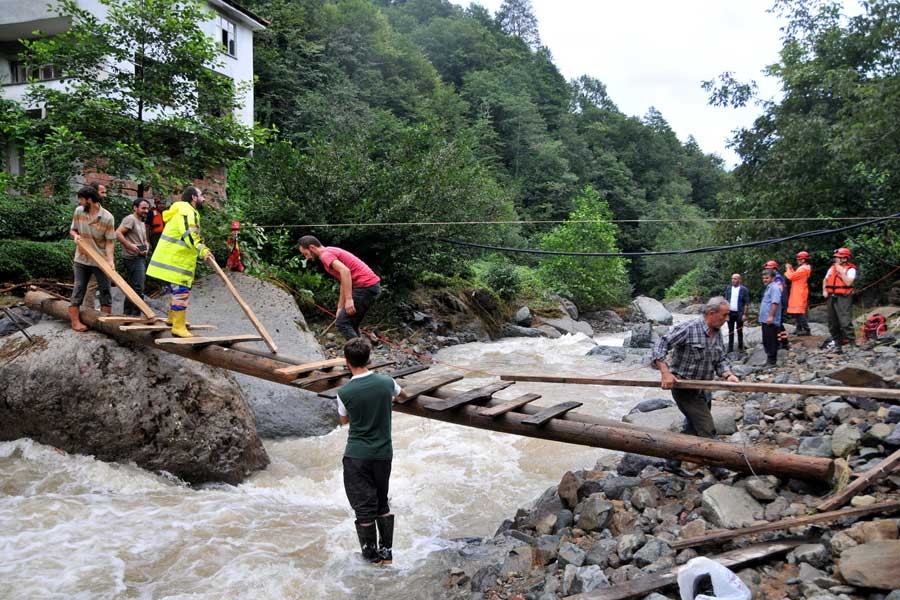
758	243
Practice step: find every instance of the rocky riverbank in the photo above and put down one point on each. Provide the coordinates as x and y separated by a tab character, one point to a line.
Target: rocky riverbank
616	523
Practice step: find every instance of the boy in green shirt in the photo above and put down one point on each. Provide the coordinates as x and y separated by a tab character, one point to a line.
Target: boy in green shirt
365	403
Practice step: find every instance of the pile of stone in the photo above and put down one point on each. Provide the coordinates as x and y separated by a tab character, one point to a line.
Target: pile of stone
614	523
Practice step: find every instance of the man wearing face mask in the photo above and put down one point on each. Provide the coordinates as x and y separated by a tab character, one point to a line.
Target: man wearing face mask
175	258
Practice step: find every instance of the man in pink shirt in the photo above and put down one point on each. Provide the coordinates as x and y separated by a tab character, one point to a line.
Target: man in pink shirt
359	284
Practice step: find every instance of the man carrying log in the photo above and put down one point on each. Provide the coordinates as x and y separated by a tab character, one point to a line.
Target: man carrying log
697	353
360	286
175	258
365	403
94	225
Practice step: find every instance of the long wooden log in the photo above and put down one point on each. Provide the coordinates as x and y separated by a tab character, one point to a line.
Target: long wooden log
774	388
724	535
882	469
663	444
589	431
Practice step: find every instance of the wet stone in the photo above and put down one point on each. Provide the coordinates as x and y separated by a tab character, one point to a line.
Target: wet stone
629	544
652	551
595	513
546	549
570	554
600	552
816	446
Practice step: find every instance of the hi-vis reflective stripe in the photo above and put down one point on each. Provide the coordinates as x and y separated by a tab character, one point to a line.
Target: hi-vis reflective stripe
160	265
173	240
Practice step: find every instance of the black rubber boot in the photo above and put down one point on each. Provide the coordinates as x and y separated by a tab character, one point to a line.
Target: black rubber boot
385	538
368	542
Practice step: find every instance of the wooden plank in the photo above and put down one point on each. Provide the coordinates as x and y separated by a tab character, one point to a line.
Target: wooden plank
773	388
117	279
550	413
879	471
426	386
509	405
333	392
161	327
645	585
124	319
245	307
291	373
723	535
476	395
320	377
222	340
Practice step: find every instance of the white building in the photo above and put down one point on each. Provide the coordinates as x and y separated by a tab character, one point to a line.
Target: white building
232	25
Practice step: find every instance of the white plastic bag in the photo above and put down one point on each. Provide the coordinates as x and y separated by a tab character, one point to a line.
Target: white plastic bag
726	585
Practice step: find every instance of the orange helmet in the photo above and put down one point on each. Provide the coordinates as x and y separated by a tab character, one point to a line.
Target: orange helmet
842	253
770	265
235	225
803	254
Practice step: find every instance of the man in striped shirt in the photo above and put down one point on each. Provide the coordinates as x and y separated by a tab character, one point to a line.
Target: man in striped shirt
697	353
94	225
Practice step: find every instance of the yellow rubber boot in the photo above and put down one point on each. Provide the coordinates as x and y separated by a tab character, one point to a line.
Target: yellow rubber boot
169	320
179	326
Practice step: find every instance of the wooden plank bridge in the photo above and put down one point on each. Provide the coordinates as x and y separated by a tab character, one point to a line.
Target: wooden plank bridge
430	397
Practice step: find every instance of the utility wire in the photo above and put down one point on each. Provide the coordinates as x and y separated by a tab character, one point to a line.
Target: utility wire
758	243
556	221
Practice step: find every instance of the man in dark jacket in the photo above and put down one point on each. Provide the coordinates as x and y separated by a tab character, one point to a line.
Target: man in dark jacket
737	296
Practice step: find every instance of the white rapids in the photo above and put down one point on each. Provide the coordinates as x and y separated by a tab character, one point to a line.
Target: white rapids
72	527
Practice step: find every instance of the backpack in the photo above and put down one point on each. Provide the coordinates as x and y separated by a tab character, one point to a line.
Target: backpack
875	327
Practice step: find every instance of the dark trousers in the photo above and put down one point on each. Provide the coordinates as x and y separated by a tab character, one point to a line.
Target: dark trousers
82	275
735	321
802	322
695	406
136	275
363	299
840	318
770	342
366	483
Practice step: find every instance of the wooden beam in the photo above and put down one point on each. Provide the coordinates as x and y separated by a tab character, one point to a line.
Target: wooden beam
124	319
291	373
505	407
723	535
476	395
319	377
428	385
221	340
879	471
245	307
550	413
110	271
333	392
161	327
773	388
642	586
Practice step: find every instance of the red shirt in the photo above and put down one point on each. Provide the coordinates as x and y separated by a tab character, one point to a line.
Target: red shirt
361	275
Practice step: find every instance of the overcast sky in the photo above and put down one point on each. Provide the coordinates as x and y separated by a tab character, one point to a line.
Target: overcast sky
656	53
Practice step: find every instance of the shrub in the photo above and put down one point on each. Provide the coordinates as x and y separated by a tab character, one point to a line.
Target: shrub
22	260
34	218
503	279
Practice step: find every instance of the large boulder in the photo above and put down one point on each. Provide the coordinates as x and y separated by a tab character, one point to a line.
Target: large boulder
281	411
671	419
872	565
652	310
730	507
86	394
568	325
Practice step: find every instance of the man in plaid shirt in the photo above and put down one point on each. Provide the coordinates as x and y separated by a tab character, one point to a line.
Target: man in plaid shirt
697	353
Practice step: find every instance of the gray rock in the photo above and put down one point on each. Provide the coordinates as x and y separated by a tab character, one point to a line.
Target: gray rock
519	560
608	320
809	574
873	565
588	579
761	488
601	551
523	317
877	434
85	394
548	331
651	404
485	578
546	549
652	310
816	446
641	336
837	410
845	439
633	464
730	507
652	551
510	330
566	325
858	377
671	419
567	489
655	596
595	513
816	555
570	554
645	497
568	306
893	415
614	487
568	579
614	353
276	406
629	544
894	438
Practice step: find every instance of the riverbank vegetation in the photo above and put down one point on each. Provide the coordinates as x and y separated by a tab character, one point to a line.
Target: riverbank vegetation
391	127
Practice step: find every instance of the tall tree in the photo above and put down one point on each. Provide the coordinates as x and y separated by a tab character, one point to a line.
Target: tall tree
516	18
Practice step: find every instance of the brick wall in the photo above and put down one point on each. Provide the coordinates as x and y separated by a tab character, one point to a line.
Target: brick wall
213	185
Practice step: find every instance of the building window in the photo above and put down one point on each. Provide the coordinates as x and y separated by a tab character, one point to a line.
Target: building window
20	74
227	32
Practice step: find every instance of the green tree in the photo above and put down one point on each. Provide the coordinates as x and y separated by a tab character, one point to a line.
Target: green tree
591	282
516	18
141	99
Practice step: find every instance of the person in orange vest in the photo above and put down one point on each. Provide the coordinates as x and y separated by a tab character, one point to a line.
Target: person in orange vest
838	290
799	297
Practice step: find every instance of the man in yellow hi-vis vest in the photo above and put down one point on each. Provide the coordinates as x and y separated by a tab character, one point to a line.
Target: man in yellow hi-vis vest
175	258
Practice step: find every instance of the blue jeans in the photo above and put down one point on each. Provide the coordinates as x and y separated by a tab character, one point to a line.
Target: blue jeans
136	275
82	276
